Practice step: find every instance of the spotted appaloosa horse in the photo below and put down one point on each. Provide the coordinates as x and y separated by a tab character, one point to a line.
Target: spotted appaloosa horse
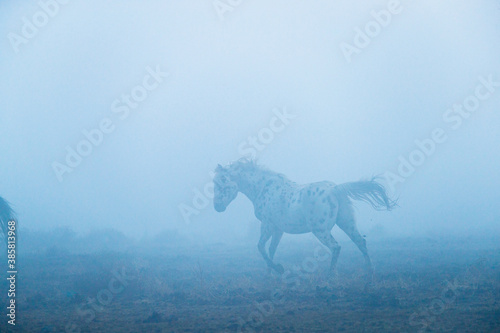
285	206
6	215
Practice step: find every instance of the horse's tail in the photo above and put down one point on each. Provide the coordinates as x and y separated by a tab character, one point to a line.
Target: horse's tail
370	191
6	215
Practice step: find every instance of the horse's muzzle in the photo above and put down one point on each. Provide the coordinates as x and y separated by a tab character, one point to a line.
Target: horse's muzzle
219	208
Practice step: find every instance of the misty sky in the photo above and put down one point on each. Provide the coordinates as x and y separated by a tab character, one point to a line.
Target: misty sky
226	76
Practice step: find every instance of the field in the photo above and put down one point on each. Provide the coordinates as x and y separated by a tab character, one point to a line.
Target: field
421	285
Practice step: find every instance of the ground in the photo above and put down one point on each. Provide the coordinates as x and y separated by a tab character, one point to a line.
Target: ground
421	285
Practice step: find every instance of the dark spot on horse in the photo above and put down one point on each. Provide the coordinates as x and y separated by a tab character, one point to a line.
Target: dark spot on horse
332	206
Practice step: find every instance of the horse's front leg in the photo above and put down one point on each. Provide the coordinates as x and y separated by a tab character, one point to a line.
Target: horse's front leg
265	234
277	234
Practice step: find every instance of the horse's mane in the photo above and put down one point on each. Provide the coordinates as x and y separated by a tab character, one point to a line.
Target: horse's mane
247	164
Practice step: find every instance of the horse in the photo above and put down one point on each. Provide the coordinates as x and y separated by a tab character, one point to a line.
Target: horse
6	214
283	206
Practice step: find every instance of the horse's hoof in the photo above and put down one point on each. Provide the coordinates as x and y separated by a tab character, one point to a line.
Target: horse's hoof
279	268
334	274
369	276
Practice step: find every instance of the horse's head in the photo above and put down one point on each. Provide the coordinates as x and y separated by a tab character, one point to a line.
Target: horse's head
225	190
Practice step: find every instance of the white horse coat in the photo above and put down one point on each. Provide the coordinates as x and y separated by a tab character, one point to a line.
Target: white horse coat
285	206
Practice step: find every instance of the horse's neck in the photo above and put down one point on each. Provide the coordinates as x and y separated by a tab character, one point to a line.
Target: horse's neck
252	183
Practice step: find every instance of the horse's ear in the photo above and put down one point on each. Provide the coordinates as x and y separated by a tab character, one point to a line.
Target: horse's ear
219	168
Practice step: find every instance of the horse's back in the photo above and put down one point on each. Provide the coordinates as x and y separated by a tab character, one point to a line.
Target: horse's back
305	208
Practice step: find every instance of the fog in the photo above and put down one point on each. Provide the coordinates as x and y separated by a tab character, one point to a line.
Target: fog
229	70
116	116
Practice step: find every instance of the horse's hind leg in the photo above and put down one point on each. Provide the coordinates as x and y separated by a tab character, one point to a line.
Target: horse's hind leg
349	227
326	238
265	234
